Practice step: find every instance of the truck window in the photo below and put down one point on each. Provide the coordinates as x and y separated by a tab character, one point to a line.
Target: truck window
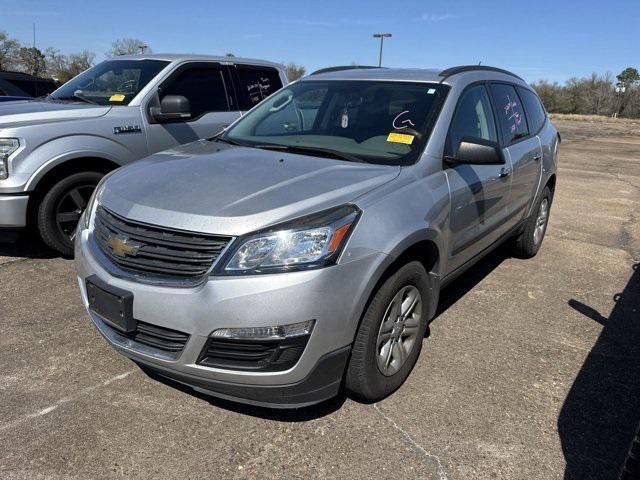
473	118
256	84
536	115
513	123
204	88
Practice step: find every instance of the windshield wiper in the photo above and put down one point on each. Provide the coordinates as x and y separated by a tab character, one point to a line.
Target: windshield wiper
305	149
74	97
220	138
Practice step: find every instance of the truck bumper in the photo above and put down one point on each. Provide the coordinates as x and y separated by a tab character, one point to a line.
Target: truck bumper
13	211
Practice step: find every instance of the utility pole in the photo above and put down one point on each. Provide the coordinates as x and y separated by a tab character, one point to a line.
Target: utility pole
381	36
142	48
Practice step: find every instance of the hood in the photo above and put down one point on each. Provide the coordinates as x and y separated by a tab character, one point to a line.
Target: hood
16	114
213	188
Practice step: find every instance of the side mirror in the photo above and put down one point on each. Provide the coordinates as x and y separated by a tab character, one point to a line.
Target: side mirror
172	107
476	151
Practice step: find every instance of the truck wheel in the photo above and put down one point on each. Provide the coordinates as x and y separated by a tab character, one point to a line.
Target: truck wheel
529	241
61	207
390	336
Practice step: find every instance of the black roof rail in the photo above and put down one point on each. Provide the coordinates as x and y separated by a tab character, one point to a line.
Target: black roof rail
343	67
470	68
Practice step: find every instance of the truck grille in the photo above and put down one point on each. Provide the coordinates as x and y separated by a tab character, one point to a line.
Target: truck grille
157	251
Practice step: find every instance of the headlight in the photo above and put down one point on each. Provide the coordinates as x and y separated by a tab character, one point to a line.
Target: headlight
93	202
309	242
7	147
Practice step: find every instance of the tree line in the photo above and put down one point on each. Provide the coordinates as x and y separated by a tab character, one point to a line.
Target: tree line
52	63
594	95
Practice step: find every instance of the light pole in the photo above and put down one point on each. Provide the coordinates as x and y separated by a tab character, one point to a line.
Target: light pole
381	36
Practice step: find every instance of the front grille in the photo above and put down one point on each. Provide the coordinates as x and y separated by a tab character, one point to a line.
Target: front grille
157	250
254	355
157	337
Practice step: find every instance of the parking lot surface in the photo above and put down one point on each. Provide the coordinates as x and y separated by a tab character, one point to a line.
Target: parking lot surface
531	371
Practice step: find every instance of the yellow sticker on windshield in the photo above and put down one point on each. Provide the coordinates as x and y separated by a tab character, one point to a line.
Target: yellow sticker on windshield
400	138
118	97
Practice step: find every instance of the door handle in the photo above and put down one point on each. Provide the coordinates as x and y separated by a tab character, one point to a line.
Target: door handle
504	172
537	156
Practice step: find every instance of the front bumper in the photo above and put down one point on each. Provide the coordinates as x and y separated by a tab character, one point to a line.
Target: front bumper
13	211
334	297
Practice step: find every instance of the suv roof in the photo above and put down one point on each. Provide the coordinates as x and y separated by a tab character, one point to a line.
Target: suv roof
178	57
414	74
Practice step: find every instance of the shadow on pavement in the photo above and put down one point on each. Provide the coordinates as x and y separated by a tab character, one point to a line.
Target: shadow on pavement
23	245
598	419
281	415
469	279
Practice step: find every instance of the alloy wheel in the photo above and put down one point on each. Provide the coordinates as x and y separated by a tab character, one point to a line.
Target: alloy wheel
399	330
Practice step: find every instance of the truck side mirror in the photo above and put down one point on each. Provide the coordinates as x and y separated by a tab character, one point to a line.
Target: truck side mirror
172	107
477	151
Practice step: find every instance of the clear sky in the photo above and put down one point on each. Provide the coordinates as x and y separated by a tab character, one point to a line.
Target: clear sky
551	39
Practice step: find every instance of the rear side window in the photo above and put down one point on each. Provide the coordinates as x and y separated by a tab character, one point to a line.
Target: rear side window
511	119
473	118
256	84
536	115
204	88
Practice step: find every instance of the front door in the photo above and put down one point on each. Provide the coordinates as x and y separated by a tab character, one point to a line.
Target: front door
479	193
212	106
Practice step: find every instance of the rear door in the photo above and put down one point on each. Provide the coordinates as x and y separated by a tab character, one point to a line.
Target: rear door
254	83
208	88
479	193
522	147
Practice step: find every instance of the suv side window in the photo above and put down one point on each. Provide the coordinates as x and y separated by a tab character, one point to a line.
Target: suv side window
536	115
256	84
473	118
513	123
204	88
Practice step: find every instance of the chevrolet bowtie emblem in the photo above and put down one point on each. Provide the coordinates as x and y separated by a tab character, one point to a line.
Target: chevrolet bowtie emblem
122	247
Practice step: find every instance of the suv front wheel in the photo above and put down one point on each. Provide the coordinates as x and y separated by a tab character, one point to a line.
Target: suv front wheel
61	207
390	336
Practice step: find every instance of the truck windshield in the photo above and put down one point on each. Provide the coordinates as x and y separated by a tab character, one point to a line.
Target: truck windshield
113	82
368	121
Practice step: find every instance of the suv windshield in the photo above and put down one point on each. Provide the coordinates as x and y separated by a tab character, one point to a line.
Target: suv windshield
372	121
114	82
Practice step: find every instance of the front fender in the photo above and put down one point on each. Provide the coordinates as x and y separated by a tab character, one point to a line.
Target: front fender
57	151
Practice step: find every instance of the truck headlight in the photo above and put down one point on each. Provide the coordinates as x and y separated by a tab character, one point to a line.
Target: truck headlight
309	242
7	147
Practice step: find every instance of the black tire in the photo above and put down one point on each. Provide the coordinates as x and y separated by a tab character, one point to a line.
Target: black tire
61	207
526	244
364	379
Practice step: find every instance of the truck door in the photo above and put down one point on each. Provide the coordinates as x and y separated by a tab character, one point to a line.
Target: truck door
206	85
254	83
479	193
523	148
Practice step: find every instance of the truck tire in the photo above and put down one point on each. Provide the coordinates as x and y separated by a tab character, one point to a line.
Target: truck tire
389	339
530	239
61	207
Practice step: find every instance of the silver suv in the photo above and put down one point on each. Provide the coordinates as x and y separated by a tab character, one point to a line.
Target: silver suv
304	248
54	150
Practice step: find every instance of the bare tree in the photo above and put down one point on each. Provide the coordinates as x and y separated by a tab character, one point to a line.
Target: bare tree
294	71
9	49
32	61
63	67
127	46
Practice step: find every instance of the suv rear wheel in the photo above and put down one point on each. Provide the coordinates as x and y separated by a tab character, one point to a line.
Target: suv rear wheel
61	207
390	336
529	241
